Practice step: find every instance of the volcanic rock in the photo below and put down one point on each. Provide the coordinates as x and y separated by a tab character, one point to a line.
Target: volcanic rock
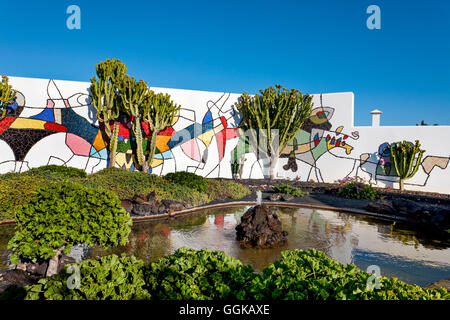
260	228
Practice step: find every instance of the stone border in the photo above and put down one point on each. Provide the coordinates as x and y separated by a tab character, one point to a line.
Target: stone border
269	203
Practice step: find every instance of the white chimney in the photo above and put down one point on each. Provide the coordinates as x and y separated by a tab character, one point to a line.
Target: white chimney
376	117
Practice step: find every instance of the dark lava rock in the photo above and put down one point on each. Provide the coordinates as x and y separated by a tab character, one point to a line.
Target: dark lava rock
260	228
147	205
380	207
441	283
127	205
17	278
275	197
287	197
142	209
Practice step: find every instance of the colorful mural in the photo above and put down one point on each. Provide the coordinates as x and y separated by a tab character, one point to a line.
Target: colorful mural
53	122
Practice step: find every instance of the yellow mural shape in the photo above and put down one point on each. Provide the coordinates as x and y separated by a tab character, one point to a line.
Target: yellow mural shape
206	137
156	162
24	123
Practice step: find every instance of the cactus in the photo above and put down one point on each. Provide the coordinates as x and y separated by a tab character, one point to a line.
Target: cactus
7	95
406	159
113	142
159	112
281	109
134	94
105	97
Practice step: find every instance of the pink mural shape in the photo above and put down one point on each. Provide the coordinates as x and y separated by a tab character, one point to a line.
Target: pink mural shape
190	148
78	145
50	103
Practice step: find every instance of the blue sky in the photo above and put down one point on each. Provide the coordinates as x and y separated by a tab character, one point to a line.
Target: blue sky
236	46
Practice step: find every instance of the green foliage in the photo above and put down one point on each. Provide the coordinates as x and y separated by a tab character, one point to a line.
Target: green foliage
17	188
126	184
406	159
63	171
311	275
65	214
288	189
188	274
356	188
276	108
222	189
188	179
7	95
108	278
199	275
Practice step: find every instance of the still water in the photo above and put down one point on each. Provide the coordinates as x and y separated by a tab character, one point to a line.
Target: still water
399	251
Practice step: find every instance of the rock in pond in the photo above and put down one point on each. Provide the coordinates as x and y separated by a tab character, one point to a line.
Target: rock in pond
260	228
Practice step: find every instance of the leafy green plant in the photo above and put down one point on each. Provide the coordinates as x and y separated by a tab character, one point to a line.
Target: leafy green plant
356	188
311	275
188	179
288	189
64	214
200	275
108	278
67	172
188	274
406	159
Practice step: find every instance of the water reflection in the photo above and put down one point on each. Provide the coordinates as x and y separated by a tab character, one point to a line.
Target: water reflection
399	250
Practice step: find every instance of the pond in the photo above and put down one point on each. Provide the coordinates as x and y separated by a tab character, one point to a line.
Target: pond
398	250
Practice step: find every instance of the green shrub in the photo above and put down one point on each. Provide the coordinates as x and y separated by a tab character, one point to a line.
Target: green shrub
108	278
197	275
222	189
356	188
68	172
311	275
16	189
65	214
288	189
188	179
123	183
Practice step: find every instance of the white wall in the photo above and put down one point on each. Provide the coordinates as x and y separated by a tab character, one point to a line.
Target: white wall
42	142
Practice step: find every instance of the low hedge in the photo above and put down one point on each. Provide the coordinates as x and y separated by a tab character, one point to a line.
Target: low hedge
17	188
67	172
205	274
188	179
64	214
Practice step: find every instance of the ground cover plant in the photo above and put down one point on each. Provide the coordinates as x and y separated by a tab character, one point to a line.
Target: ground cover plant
61	215
206	274
356	188
288	189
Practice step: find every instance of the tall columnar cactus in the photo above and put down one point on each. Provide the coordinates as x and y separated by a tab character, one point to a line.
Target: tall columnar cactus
406	159
7	95
134	94
105	98
276	108
159	112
